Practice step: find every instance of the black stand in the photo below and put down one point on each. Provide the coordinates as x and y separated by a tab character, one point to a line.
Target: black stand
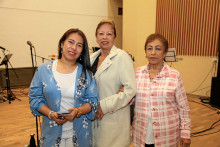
42	58
2	97
9	96
33	75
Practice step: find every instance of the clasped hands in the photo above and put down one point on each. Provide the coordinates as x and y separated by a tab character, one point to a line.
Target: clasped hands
60	119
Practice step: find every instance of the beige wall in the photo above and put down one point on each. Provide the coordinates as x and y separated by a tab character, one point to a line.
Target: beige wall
113	6
43	23
196	71
139	20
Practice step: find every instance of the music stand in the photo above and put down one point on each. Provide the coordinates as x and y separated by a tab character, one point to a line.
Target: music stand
6	59
10	95
171	55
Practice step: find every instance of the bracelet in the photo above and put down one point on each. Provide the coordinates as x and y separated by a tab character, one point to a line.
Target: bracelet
49	115
79	113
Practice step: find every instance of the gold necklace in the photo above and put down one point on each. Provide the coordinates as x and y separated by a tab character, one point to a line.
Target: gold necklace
156	71
152	77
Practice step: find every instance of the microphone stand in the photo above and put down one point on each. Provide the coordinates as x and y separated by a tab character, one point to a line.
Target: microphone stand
32	60
42	58
33	75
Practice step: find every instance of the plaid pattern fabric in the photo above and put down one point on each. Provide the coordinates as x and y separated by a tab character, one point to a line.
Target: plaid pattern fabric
169	108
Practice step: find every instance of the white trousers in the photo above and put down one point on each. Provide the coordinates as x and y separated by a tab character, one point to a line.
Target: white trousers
66	140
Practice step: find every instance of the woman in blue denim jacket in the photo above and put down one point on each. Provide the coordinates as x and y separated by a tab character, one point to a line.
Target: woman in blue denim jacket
64	92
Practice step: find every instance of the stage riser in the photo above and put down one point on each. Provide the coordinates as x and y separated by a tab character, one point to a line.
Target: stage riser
24	77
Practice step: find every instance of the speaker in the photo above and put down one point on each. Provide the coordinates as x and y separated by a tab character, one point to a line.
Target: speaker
215	92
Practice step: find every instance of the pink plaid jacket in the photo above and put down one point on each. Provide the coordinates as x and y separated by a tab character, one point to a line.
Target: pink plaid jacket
169	108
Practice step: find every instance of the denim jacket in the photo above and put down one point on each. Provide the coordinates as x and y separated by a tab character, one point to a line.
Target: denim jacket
44	89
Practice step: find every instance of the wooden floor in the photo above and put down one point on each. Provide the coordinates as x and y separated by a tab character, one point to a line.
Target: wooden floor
17	122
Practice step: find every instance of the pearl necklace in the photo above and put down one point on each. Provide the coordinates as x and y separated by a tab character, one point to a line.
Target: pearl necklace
151	78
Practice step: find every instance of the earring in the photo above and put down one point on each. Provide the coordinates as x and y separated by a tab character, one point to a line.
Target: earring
80	57
61	50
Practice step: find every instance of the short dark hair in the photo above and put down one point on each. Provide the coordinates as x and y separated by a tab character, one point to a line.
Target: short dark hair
84	58
110	22
158	36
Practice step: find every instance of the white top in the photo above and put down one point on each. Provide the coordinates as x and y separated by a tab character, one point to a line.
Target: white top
66	82
149	138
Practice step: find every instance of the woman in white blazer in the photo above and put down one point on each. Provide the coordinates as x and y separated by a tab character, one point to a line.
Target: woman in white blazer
113	69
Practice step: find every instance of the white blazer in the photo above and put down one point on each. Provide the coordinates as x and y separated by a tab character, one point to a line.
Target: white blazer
116	70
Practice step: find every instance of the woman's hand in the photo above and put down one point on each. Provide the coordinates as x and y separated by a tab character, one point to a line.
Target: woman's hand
70	116
185	142
121	89
99	113
54	116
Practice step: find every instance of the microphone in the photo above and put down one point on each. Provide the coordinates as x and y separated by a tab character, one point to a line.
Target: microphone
2	48
29	43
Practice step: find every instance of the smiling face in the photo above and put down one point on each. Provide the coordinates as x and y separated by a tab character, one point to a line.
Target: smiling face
105	36
155	52
72	47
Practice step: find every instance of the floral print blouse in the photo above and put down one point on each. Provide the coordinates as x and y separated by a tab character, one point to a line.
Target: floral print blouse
44	90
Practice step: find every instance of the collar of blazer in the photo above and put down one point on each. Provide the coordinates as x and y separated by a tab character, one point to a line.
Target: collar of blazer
107	62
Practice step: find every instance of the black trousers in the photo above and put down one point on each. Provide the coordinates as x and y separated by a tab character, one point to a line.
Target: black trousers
149	145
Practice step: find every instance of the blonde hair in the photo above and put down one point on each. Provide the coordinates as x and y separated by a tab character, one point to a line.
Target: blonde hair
110	22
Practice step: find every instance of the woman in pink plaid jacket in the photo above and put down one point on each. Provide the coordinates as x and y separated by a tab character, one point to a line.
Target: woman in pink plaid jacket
161	115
